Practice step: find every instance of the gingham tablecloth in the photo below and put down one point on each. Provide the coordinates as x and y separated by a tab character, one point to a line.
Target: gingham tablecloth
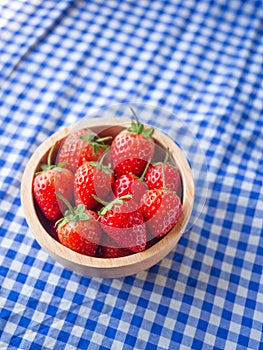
202	61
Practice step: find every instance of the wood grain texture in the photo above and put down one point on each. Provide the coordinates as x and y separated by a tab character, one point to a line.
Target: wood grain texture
98	267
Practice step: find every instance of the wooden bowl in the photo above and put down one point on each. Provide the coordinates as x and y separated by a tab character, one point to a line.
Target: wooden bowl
100	267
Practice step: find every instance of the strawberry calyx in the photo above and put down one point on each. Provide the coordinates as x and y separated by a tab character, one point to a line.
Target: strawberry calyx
74	214
109	205
95	141
104	168
57	167
138	128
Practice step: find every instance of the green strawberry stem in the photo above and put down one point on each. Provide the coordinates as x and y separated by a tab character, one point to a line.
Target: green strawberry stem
102	139
68	204
100	163
145	170
138	128
135	115
49	166
72	214
167	155
163	175
101	201
50	154
109	205
100	166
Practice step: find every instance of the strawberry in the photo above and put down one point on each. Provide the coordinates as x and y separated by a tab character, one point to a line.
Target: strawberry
110	249
123	223
163	174
131	184
92	178
79	229
161	210
132	148
79	146
52	179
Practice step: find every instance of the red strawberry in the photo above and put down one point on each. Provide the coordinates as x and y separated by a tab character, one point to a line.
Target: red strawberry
79	146
79	230
92	178
110	249
163	175
52	179
131	149
124	224
131	184
161	210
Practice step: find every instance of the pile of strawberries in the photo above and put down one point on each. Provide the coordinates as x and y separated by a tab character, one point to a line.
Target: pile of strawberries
104	196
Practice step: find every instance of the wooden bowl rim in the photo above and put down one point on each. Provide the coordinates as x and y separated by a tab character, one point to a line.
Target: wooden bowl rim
56	249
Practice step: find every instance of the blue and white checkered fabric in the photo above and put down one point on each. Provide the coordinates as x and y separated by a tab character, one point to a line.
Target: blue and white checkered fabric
201	60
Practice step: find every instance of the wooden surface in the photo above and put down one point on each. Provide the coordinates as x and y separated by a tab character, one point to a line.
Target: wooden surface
98	267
